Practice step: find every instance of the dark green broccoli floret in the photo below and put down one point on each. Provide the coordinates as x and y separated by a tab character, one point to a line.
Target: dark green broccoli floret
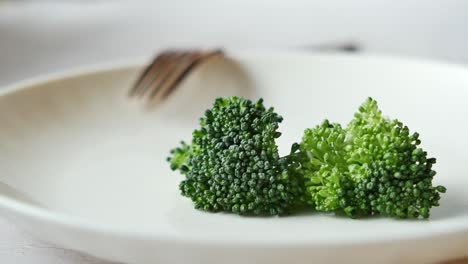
373	167
232	163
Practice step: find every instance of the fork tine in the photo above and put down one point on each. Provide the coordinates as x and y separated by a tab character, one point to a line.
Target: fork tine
160	70
205	57
163	72
147	73
154	71
178	65
184	66
166	71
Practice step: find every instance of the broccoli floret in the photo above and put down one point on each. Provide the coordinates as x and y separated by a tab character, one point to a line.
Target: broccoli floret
233	162
179	157
373	167
323	163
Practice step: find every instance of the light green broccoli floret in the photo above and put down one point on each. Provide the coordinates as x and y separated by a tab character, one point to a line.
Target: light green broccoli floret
373	167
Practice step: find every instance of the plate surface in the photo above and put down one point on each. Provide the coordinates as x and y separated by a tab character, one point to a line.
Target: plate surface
84	167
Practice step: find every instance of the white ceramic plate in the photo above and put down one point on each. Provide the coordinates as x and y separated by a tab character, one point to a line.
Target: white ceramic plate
84	167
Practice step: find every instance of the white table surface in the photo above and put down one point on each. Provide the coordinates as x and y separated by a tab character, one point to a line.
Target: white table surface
39	37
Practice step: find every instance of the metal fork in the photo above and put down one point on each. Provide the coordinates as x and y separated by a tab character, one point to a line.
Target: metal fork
167	70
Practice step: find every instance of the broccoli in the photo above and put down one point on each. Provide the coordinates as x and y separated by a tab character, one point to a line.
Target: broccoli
373	167
233	164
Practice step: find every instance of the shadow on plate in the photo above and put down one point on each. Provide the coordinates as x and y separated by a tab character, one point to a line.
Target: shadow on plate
216	78
451	205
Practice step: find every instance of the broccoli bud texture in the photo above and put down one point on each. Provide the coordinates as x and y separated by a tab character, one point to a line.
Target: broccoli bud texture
233	165
373	167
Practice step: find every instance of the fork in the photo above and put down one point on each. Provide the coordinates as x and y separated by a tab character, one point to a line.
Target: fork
167	70
170	67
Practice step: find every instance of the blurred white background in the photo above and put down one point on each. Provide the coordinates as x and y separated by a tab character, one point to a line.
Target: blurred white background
38	37
42	36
